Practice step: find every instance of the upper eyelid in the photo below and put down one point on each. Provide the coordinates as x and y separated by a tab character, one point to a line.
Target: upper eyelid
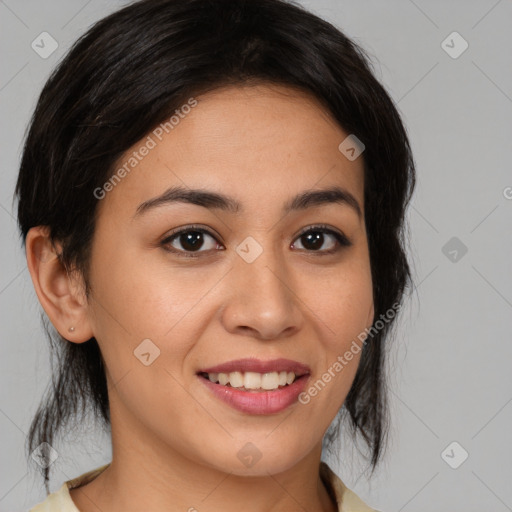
186	229
319	227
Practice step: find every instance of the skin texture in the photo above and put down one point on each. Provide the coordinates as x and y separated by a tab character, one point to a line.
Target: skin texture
174	444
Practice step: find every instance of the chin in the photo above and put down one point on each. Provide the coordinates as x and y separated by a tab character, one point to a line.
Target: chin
260	457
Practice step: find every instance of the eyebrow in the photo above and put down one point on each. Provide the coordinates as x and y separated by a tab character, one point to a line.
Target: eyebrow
217	201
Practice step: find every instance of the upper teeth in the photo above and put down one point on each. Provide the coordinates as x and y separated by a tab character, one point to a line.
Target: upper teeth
253	380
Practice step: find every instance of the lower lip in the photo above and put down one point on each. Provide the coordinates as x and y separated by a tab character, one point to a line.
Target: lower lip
258	402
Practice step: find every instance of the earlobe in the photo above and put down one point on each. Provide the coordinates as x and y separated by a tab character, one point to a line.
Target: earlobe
60	293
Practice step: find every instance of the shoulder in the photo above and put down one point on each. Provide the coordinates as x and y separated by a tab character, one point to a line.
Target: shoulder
60	500
347	500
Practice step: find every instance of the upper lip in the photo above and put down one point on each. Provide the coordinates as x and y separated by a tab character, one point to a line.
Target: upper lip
259	366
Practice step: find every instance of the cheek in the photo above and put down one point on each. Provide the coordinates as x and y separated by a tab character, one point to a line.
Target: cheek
344	308
143	307
137	294
345	302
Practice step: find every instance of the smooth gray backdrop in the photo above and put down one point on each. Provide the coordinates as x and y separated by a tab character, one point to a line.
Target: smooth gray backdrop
450	377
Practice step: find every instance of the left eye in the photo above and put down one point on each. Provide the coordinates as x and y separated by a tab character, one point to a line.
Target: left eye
314	239
192	241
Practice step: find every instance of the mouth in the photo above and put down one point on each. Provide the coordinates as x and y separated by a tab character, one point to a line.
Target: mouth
257	387
253	381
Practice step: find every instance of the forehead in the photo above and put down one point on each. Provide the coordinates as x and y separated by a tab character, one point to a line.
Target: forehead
257	143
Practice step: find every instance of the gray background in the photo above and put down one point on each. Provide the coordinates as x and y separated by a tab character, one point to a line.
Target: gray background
450	377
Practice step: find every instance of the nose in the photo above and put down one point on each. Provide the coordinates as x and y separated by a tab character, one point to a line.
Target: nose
263	299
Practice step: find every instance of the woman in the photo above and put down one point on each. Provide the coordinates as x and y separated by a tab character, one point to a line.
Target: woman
212	199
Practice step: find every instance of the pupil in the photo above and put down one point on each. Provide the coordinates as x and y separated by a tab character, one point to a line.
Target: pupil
193	239
315	240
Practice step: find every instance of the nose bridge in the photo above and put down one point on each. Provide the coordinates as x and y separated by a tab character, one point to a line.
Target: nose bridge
260	264
263	299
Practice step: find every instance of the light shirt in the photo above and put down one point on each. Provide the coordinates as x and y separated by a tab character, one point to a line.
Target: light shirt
60	501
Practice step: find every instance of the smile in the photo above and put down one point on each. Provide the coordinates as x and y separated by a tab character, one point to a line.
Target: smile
257	387
251	380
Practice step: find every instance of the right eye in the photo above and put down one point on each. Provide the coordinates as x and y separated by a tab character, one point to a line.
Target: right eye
191	239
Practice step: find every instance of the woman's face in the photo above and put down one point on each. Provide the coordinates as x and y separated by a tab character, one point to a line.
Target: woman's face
166	309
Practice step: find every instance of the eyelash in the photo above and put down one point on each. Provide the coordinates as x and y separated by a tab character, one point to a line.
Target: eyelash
342	240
